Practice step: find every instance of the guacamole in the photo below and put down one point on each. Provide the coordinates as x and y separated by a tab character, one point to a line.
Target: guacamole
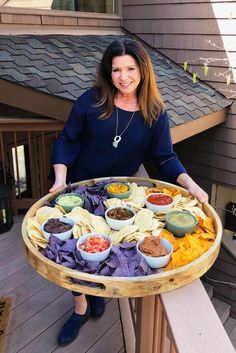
69	200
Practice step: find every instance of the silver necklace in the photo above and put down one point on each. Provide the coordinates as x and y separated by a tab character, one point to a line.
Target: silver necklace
117	137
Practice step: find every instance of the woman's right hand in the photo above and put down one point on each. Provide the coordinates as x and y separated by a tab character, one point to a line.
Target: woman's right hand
60	177
59	184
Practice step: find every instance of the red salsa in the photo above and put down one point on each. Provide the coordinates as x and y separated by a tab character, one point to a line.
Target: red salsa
95	244
160	199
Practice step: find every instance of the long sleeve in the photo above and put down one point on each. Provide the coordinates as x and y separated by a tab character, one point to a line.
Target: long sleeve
66	147
162	151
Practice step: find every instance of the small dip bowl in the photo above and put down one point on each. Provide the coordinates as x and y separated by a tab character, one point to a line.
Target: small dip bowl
180	222
157	261
117	190
69	201
159	202
94	246
119	217
57	226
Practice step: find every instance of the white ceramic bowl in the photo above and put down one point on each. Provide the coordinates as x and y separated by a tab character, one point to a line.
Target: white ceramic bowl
61	236
118	224
159	261
159	208
97	256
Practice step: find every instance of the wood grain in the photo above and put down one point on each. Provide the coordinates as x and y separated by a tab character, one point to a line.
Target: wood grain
118	287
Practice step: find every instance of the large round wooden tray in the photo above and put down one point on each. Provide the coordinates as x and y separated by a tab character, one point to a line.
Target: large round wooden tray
122	286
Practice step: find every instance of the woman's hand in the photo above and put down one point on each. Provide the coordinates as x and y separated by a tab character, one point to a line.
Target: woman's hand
58	185
192	187
60	177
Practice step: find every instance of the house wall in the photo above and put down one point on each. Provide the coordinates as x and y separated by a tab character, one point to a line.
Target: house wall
199	33
32	21
223	275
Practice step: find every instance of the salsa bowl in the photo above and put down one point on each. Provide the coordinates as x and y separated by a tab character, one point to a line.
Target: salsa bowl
94	246
159	202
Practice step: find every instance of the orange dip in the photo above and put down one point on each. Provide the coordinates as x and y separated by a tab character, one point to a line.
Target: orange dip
151	246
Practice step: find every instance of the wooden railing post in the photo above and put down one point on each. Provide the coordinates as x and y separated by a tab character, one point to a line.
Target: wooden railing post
179	321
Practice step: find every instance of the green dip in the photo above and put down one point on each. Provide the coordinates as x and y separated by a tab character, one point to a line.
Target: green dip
69	200
181	219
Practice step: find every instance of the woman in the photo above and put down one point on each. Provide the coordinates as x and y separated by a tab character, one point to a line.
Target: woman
110	129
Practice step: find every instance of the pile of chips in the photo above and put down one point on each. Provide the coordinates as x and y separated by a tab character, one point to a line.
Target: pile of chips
191	246
35	223
146	223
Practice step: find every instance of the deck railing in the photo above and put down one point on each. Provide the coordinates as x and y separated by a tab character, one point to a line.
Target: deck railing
180	321
25	153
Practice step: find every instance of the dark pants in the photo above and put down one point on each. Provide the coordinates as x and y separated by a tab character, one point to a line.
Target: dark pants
76	294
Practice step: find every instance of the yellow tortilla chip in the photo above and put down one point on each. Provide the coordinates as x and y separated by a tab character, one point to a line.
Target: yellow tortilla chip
77	231
137	195
208	225
143	219
46	212
113	202
204	235
190	248
156	232
140	235
124	234
169	236
99	225
60	208
153	190
32	223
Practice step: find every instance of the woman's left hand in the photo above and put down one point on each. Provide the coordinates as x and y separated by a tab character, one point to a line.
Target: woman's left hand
192	187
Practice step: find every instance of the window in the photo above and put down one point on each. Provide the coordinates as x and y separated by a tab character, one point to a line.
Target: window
101	6
224	202
19	169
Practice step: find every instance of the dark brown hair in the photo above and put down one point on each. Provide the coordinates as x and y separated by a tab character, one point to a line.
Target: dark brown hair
149	99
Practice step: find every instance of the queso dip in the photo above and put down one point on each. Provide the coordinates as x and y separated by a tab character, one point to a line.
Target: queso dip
181	219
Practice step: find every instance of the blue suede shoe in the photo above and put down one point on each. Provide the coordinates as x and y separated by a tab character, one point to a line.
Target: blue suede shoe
71	328
97	305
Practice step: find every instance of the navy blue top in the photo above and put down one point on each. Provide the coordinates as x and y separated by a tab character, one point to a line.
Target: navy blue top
85	144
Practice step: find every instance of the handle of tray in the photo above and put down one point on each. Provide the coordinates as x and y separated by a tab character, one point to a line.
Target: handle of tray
102	288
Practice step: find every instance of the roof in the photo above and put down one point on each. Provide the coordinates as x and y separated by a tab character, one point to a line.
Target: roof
65	65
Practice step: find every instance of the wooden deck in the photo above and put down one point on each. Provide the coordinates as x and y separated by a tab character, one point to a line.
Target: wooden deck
40	308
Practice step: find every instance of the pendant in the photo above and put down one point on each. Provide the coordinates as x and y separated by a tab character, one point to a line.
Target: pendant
116	140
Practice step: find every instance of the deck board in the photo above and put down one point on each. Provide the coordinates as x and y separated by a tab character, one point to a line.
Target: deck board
28	289
40	308
34	305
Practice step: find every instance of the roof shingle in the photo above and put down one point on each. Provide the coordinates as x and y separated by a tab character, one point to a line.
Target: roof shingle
65	66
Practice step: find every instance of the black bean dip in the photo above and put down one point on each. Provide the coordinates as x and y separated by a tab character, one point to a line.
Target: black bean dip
55	226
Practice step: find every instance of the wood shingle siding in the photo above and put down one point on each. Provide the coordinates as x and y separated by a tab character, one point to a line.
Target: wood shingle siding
223	276
201	33
46	21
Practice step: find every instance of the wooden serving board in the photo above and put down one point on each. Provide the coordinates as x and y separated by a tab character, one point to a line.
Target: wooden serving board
119	287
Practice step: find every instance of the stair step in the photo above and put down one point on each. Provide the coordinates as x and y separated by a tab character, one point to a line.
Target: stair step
230	328
222	309
209	288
